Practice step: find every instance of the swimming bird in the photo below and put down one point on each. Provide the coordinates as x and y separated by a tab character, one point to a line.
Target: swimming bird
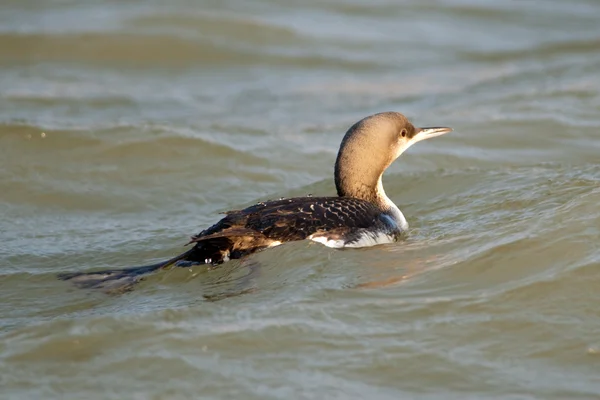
361	215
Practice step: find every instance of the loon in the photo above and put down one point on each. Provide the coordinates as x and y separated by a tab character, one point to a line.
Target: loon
361	215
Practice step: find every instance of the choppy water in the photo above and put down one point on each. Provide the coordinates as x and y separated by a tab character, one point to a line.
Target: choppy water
126	126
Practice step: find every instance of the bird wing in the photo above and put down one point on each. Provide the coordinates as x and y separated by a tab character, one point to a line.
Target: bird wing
294	219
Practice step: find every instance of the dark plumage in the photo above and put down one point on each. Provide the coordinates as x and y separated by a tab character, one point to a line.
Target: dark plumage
273	222
361	215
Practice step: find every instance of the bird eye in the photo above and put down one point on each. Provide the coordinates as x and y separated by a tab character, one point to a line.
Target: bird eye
403	132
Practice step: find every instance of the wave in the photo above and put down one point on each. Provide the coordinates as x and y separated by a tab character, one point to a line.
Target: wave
158	51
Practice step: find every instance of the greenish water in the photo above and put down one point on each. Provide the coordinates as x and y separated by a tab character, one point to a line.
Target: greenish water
126	126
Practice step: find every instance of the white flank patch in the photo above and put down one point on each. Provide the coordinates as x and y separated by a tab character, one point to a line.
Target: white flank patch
275	243
336	244
368	239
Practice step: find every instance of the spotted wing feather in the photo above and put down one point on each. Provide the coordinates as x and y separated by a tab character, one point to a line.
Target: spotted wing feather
261	225
299	218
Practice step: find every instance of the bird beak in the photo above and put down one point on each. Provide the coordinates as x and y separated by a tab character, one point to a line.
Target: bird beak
428	133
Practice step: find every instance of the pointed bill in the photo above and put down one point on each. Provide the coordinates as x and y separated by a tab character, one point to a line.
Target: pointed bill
428	133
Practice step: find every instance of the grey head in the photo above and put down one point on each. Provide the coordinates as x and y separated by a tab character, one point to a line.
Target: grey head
369	147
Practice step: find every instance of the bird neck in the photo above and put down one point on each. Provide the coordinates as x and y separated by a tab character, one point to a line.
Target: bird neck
389	207
373	193
358	173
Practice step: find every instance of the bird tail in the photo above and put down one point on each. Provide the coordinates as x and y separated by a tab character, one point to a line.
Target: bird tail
117	280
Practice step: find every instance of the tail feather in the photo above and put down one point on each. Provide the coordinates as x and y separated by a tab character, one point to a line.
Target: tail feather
117	280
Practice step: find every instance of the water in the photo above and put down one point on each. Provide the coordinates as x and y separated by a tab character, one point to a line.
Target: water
126	126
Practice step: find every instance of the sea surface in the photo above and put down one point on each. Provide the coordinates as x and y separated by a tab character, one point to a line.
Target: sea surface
126	126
